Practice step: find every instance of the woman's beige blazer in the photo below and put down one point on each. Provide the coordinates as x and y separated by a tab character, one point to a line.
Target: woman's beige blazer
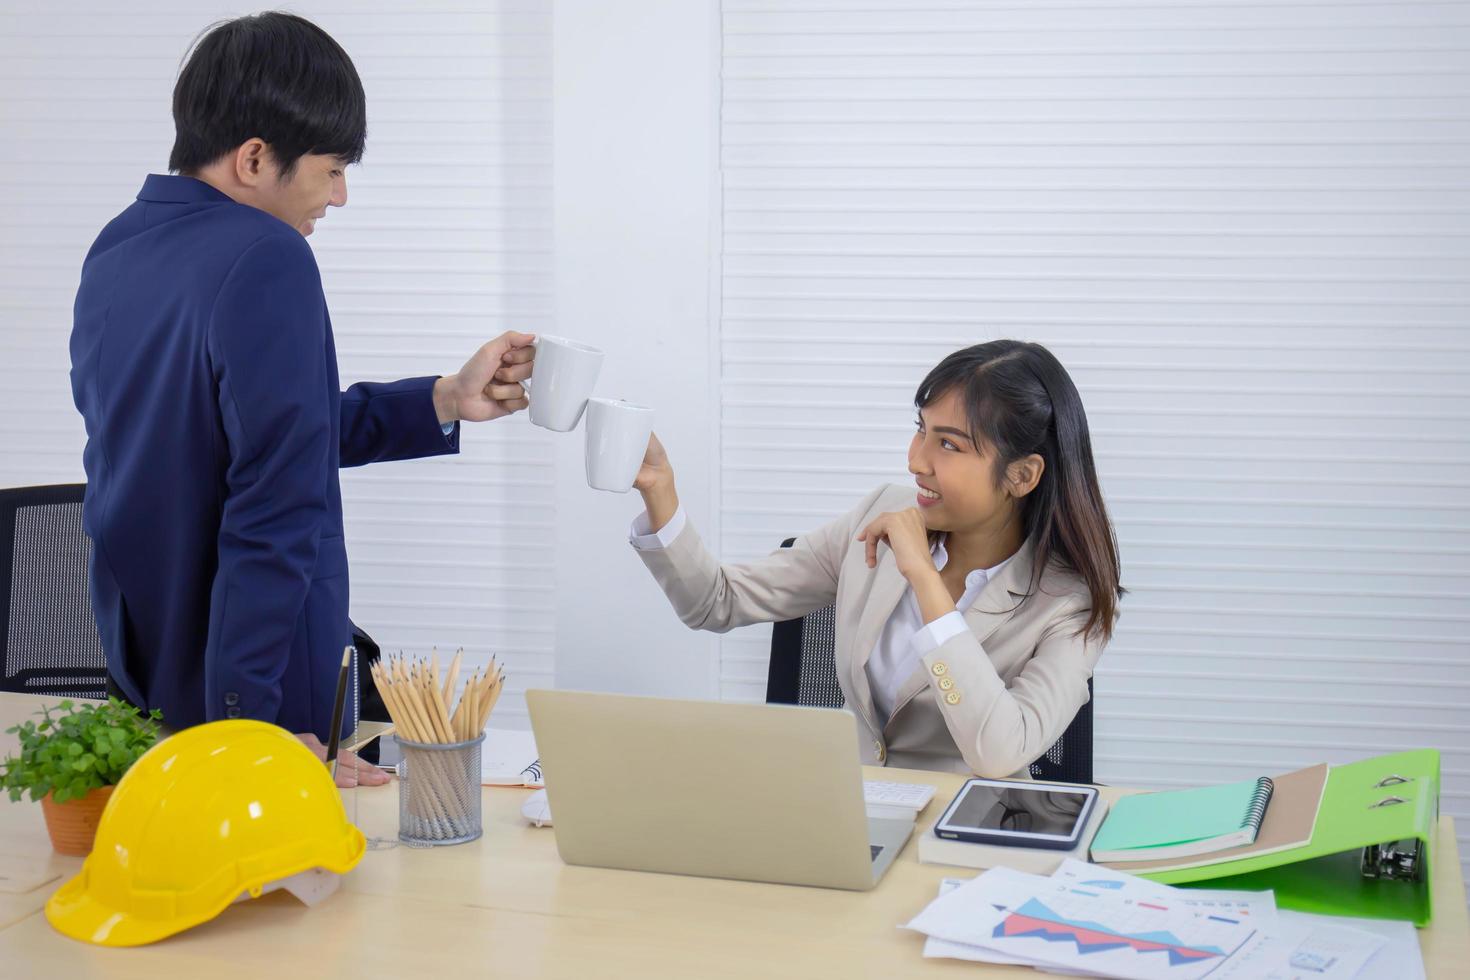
988	702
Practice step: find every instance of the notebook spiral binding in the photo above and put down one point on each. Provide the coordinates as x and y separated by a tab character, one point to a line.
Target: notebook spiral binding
1262	796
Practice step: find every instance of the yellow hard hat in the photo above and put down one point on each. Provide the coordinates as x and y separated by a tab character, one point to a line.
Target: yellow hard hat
204	816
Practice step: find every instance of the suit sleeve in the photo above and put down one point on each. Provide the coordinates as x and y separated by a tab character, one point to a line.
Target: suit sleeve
396	420
1001	730
787	583
268	346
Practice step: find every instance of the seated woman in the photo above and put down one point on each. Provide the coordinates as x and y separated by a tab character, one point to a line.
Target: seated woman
970	612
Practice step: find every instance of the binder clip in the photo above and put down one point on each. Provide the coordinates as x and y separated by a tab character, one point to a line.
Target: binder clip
1393	860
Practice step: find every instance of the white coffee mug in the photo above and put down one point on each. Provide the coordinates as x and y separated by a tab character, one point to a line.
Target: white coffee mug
564	374
617	438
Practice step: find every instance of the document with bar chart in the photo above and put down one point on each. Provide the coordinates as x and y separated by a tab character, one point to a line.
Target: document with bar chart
1106	934
1042	921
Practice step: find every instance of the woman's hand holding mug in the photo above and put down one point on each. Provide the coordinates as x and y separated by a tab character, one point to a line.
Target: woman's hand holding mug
655	481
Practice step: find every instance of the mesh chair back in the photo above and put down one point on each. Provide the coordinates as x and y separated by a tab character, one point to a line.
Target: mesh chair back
803	671
47	625
1069	760
813	680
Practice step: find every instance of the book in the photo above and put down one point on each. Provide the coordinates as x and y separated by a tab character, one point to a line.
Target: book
934	849
1290	823
1183	823
509	758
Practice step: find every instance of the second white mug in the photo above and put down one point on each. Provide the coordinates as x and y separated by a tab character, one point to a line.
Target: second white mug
617	438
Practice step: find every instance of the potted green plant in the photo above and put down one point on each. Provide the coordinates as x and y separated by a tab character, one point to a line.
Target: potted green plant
71	759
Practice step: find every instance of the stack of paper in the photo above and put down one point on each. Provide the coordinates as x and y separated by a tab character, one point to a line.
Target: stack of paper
509	758
1092	921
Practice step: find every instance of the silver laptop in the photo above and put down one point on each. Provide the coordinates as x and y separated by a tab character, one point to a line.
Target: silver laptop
721	790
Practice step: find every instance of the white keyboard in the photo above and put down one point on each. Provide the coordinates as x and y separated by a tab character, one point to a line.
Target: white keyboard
908	796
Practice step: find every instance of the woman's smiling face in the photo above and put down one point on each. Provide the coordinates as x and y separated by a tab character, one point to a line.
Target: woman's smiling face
958	490
956	477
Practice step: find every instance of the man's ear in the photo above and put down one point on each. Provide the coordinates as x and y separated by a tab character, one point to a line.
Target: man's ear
253	163
1024	474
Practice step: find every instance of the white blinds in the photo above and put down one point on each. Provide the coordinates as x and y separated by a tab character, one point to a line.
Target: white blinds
1243	228
444	244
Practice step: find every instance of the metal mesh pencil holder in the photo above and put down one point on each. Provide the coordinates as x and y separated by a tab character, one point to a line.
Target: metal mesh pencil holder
439	792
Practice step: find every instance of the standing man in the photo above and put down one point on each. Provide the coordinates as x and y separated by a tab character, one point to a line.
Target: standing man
204	367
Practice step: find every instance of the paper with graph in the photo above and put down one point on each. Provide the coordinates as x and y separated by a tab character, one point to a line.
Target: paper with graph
1057	923
1093	921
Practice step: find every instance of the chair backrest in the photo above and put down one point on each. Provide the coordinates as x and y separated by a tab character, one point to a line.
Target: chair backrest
803	670
48	632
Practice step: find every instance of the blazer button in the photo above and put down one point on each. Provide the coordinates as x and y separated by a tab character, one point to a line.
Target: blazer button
953	697
231	698
939	670
232	712
945	683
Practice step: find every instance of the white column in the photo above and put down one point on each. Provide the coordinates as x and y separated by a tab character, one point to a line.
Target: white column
636	200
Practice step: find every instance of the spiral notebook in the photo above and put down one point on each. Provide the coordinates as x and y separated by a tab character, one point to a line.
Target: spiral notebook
1183	823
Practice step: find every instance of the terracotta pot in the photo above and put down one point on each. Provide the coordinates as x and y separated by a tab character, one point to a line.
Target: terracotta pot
73	824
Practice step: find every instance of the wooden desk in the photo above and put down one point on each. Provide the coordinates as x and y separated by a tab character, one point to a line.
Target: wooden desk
506	906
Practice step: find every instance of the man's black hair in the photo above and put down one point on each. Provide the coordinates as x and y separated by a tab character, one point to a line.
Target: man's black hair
275	76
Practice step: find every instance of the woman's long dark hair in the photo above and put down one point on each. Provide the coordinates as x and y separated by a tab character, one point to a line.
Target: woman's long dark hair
1019	399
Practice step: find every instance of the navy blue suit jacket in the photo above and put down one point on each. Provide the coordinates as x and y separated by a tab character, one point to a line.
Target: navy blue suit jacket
203	364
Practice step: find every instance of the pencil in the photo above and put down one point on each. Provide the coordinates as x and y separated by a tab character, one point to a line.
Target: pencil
335	740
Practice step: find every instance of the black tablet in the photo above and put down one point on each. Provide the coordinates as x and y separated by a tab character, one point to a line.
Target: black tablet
1018	813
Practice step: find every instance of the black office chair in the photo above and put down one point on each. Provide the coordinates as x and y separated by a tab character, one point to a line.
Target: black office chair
48	633
803	670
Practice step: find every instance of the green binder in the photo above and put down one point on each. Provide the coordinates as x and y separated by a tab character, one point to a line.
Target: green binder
1371	850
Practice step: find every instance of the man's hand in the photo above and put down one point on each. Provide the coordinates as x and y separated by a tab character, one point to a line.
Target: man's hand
488	386
351	771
